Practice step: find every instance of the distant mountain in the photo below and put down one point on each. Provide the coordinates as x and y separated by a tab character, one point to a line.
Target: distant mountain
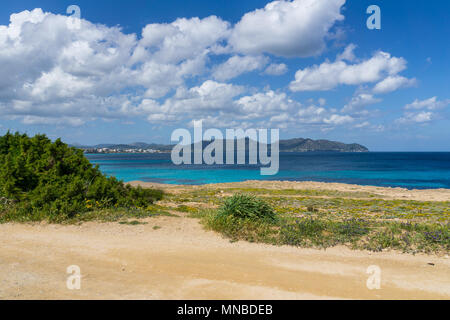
291	145
309	145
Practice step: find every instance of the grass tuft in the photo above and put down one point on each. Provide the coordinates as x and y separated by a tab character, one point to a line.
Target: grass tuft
247	207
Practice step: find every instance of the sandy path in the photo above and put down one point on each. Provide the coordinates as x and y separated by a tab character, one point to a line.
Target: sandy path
182	261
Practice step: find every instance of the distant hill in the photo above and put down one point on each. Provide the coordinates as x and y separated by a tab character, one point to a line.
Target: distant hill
309	145
291	145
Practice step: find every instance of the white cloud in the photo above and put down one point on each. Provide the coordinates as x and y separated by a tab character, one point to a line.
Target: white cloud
368	126
210	97
309	115
276	69
420	117
287	28
219	122
360	100
222	105
183	39
364	124
348	53
54	75
74	122
393	83
422	111
430	104
238	65
338	119
52	70
264	104
322	102
329	75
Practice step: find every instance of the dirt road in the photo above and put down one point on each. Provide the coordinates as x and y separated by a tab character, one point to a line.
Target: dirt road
182	261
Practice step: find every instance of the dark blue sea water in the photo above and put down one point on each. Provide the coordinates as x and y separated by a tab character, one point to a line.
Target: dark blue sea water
408	170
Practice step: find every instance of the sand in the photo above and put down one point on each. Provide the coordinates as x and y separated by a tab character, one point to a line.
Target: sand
181	260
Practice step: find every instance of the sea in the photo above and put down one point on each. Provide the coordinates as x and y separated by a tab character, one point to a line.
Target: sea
411	170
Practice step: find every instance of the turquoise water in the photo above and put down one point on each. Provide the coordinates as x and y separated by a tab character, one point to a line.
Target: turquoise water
408	170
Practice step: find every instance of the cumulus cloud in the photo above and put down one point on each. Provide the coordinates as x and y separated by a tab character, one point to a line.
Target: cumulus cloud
348	53
338	119
422	111
287	28
53	74
430	104
38	49
393	83
238	65
276	69
226	105
182	39
360	100
71	121
209	98
214	100
263	104
364	124
419	117
50	69
329	75
311	114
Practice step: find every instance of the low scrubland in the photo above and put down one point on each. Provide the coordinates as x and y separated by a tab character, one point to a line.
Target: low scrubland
50	181
322	219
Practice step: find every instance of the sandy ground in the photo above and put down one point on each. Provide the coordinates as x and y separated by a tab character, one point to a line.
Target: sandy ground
180	260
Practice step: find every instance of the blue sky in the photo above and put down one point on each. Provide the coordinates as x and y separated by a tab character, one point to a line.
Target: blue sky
137	70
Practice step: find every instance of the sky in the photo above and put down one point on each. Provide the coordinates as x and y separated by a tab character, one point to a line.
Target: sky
134	71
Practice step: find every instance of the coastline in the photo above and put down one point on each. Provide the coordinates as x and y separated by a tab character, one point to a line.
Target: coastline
384	192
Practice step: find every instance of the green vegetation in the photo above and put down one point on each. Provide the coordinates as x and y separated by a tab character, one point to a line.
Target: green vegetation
132	223
247	207
405	225
303	192
184	208
44	180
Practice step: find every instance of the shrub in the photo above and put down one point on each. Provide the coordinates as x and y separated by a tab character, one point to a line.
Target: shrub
50	179
247	207
240	229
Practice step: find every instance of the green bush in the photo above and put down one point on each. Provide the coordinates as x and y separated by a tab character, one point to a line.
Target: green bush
247	207
45	179
242	229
